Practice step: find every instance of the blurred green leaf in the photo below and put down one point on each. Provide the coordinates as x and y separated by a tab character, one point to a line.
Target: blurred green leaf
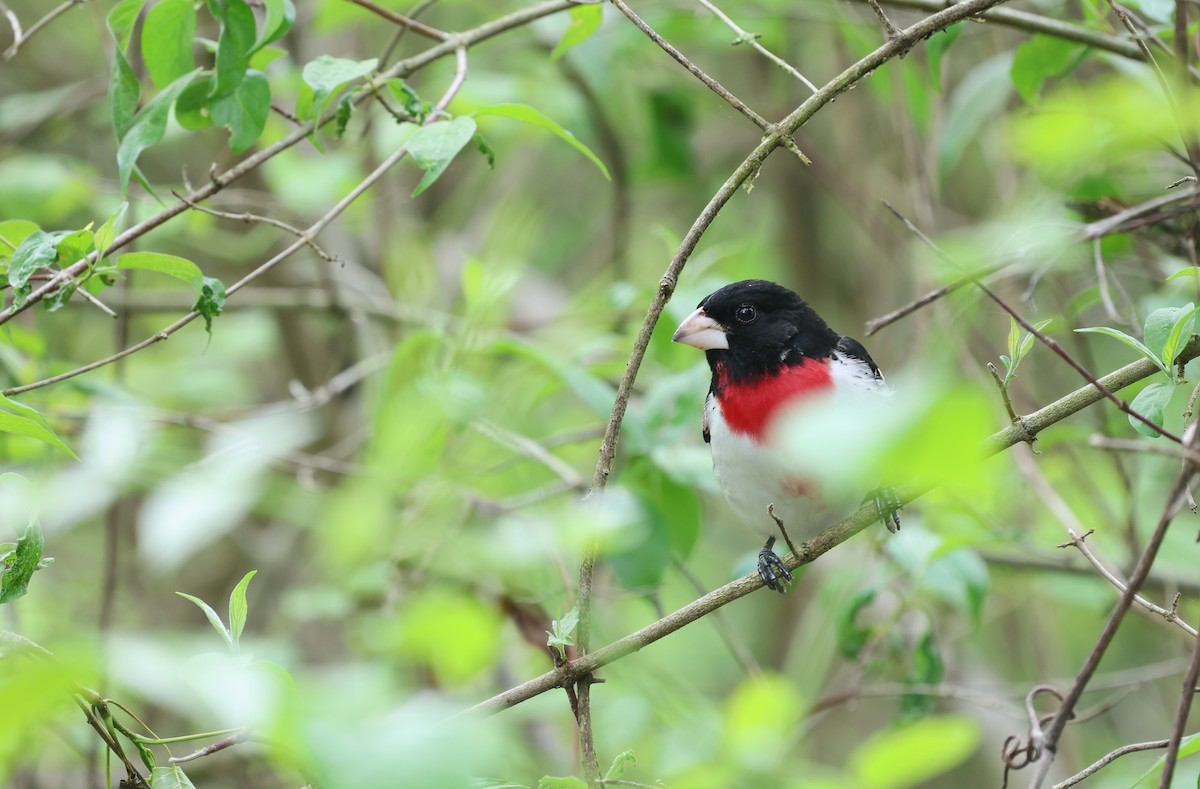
210	301
935	50
585	21
565	782
243	111
147	128
324	78
191	108
1188	746
1151	403
281	15
167	42
454	634
171	265
123	87
1182	329
527	114
234	46
1132	342
619	763
20	565
22	420
214	618
433	147
12	233
759	719
171	777
1039	59
238	608
851	638
926	668
1190	271
562	633
916	753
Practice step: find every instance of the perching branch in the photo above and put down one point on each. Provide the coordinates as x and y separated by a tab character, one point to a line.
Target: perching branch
1029	427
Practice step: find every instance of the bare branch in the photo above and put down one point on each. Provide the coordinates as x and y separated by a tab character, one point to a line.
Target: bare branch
247	217
752	40
420	28
18	39
1108	759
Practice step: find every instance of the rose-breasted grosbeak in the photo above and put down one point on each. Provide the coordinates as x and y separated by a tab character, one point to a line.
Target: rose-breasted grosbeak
769	351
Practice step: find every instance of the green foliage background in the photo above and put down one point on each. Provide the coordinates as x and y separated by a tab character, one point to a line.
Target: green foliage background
396	440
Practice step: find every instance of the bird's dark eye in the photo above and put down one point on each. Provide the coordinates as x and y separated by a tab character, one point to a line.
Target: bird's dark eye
745	314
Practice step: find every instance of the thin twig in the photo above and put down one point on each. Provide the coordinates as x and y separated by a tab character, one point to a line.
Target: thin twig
752	40
247	217
1137	577
696	71
532	449
1079	534
19	40
208	750
1108	759
1181	716
1043	338
408	23
1041	564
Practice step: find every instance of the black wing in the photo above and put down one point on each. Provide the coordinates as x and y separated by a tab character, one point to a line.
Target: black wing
853	348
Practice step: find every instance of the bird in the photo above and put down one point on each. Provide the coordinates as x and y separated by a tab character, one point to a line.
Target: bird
770	353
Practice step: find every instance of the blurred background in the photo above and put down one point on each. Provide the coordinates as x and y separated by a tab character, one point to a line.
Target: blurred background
397	440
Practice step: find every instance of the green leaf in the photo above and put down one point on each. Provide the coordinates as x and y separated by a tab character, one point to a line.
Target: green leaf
850	637
914	754
191	108
75	246
244	111
121	20
1159	325
21	564
29	422
1190	271
1132	342
171	265
1039	59
1184	325
281	14
13	232
565	782
935	50
211	301
325	77
265	57
36	252
619	763
148	128
171	777
527	114
234	46
561	635
585	21
108	231
1151	403
123	87
1014	339
1027	343
167	37
345	109
213	618
926	669
433	147
238	608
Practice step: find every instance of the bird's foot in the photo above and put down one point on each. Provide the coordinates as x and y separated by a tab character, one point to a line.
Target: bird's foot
772	570
887	506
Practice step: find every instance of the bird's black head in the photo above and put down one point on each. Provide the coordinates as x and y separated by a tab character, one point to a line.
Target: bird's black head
753	327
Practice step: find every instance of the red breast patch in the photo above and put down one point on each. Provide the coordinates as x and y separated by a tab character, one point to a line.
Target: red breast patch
749	406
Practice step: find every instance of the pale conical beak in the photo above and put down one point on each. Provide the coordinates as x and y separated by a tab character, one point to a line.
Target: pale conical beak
700	331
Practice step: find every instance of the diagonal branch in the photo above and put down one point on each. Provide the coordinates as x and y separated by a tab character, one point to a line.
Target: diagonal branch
1030	426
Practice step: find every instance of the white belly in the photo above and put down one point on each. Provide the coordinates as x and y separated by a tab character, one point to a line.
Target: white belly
754	477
